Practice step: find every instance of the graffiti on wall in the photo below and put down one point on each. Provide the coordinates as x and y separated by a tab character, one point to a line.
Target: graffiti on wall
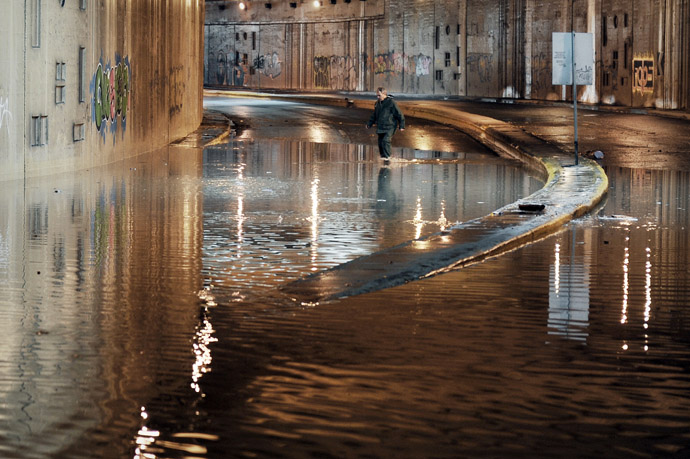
5	113
229	72
398	63
643	75
337	72
111	89
269	65
481	65
541	73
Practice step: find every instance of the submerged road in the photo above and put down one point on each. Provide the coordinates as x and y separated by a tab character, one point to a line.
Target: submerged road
567	194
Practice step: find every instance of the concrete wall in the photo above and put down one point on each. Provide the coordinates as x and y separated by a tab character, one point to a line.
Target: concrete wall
452	47
85	83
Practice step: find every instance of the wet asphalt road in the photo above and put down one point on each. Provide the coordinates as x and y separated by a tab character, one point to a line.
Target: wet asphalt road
261	118
629	139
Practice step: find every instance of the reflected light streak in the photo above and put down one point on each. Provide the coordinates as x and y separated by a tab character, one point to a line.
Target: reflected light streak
203	337
314	220
626	285
240	210
145	438
202	352
557	269
418	222
648	292
442	220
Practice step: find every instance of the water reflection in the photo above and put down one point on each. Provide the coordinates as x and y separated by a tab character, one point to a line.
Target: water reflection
95	299
569	294
137	316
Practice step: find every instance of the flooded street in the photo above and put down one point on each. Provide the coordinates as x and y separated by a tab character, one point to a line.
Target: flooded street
140	314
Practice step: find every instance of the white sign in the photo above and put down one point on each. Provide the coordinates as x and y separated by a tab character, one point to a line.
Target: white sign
562	58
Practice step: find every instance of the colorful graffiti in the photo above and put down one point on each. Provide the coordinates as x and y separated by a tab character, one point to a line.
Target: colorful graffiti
269	65
111	90
643	75
398	63
5	113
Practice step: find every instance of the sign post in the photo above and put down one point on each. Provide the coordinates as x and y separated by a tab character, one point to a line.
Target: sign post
573	63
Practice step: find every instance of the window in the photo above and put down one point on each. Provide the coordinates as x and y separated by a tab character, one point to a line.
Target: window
82	5
447	60
60	75
253	40
82	74
60	94
78	132
36	24
437	37
39	130
439	75
457	56
60	71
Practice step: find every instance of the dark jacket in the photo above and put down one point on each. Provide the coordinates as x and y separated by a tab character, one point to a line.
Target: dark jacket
387	116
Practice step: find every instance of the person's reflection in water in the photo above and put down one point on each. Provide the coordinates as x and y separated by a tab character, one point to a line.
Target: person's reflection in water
386	200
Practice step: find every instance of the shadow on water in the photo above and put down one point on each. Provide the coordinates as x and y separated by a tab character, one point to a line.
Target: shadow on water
139	317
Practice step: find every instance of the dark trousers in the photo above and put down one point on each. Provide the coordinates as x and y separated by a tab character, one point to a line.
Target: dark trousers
385	143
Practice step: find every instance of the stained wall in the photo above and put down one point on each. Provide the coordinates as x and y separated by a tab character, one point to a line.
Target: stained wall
452	47
85	83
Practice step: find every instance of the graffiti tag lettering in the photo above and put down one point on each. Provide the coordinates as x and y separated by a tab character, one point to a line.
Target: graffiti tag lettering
228	71
111	87
481	65
269	65
643	75
397	63
337	72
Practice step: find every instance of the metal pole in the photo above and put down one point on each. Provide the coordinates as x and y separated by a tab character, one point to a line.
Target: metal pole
574	95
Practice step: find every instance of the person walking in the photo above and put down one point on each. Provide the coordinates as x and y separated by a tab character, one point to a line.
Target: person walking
387	117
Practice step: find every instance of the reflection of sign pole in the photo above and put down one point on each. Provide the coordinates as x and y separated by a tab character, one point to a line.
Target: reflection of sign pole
573	63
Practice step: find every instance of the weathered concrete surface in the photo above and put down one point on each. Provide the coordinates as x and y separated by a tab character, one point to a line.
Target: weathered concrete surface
570	191
84	84
452	47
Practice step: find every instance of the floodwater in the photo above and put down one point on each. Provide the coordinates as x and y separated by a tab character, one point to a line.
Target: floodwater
140	314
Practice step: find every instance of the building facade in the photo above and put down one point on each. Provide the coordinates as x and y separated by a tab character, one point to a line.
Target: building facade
451	47
85	83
